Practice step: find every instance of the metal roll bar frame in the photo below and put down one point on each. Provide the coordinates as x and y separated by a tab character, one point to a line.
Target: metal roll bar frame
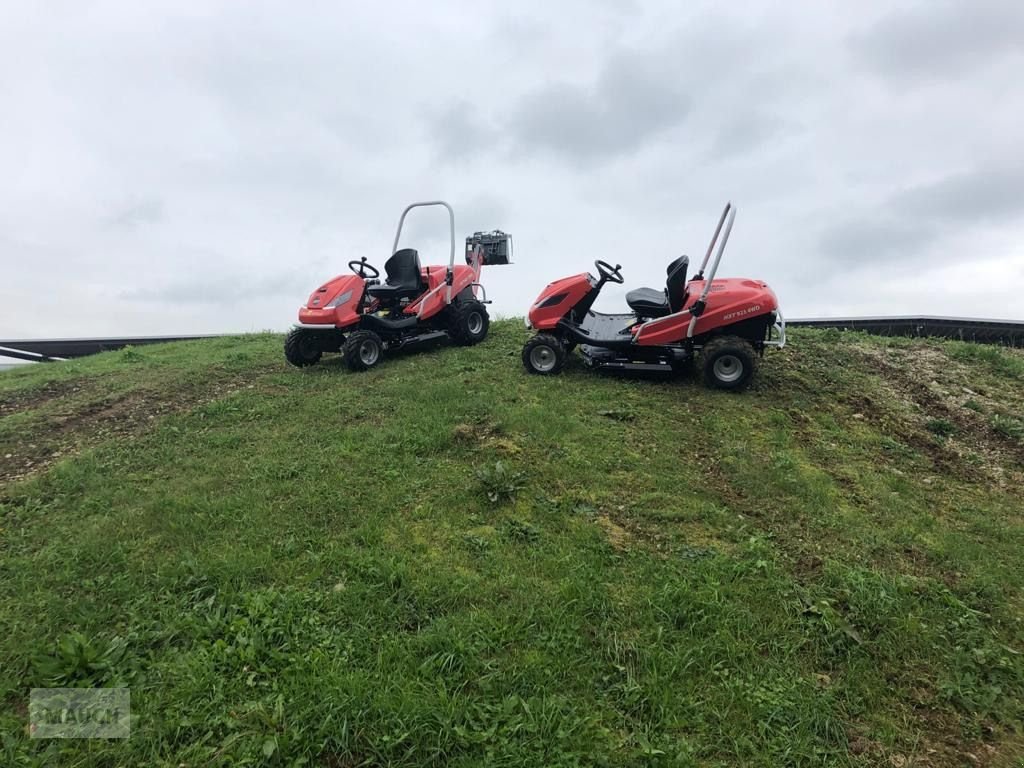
727	218
447	284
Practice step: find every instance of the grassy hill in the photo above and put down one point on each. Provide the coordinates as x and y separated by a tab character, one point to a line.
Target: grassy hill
445	561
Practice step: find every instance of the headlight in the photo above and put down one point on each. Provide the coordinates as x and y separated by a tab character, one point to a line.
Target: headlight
341	299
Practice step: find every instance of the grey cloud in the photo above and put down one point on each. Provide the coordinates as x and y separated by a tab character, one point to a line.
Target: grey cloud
937	39
908	222
748	132
974	196
459	131
634	99
874	238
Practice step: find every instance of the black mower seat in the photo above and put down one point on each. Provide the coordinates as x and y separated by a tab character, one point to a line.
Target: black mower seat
403	277
648	302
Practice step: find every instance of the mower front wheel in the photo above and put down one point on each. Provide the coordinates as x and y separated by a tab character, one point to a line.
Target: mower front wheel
302	347
468	322
544	355
729	362
363	350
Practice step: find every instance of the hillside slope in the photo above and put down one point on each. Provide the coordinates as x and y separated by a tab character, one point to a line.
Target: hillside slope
445	561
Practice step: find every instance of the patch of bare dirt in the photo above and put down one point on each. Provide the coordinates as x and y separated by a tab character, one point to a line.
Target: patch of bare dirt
661	538
619	538
939	744
726	490
485	435
931	387
30	399
943	744
82	424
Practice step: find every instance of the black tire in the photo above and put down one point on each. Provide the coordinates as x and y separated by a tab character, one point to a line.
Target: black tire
544	355
363	350
468	322
729	363
302	347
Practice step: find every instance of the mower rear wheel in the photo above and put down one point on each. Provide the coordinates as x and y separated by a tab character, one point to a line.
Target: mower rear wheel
544	355
729	362
468	322
363	350
302	347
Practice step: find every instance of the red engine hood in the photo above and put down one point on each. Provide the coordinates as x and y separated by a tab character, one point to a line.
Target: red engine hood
330	290
737	294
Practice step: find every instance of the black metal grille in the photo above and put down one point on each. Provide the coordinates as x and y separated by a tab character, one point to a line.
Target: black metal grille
1006	332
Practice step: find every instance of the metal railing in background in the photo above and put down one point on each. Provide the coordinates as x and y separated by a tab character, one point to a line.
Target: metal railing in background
1009	333
8	353
49	350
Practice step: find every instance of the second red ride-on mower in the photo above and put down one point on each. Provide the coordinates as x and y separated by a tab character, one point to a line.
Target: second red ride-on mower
362	318
728	321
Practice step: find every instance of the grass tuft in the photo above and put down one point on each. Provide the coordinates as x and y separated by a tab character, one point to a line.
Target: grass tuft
499	483
941	427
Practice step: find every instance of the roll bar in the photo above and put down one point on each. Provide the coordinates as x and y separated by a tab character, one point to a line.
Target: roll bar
451	226
728	216
711	245
450	273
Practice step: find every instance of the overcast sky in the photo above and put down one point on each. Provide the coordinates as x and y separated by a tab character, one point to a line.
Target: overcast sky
202	166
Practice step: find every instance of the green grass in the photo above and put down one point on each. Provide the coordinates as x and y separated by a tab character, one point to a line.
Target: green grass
445	561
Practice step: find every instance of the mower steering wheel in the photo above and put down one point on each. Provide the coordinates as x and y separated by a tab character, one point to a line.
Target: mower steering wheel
361	267
608	272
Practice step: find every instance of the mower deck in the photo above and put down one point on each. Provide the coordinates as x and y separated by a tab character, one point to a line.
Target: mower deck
651	360
606	342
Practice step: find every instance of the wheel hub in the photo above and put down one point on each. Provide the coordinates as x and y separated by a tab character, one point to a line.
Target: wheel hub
728	368
543	358
369	352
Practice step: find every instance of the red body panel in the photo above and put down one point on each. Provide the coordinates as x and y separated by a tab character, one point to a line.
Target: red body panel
575	288
435	299
316	311
730	300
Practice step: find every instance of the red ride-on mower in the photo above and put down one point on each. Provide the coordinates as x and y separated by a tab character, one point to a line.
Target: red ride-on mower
729	321
362	318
